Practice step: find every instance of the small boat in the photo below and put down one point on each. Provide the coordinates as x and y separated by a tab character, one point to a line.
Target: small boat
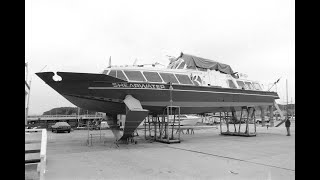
186	120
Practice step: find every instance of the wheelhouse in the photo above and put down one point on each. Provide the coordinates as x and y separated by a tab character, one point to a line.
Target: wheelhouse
179	74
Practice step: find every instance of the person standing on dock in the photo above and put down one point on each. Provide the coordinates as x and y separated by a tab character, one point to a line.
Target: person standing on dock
287	124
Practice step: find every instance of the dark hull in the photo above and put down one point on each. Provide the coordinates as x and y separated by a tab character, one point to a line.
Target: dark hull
103	93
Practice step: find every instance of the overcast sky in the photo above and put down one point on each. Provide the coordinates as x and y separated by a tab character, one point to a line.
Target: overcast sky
255	37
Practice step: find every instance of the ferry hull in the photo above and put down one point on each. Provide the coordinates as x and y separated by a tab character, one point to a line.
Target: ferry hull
103	93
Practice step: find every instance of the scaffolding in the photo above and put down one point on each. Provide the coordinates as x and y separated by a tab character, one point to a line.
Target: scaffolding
92	135
149	127
162	128
231	119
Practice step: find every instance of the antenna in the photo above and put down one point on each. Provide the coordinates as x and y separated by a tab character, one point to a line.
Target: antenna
274	84
135	62
109	62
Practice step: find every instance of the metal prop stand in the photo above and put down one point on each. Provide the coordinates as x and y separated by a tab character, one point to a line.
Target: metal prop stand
92	135
247	121
150	124
167	125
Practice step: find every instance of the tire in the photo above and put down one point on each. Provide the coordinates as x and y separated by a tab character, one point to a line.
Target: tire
69	131
51	130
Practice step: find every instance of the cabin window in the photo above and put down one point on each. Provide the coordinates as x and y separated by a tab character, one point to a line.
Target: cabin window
199	79
250	86
120	75
112	73
183	79
105	72
241	84
167	77
257	86
181	66
152	76
117	74
196	80
134	76
231	84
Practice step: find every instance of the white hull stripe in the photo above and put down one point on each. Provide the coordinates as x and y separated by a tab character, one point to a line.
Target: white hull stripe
214	92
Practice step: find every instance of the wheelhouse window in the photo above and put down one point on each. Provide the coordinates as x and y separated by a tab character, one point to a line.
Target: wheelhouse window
199	79
118	74
241	84
250	86
135	76
112	73
196	80
257	86
167	77
105	72
152	76
183	79
231	84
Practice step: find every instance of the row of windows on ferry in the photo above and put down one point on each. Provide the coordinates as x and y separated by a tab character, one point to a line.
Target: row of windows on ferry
183	79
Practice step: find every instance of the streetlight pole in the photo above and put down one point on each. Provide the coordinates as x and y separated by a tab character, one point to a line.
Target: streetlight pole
27	111
287	95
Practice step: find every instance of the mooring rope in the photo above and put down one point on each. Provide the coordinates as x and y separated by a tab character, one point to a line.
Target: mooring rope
230	158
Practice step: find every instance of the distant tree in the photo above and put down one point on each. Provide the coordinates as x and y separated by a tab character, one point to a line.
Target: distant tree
68	111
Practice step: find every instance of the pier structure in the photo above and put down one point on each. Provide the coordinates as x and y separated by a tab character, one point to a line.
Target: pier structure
46	121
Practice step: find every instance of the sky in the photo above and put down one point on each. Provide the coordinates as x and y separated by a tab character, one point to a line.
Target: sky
255	37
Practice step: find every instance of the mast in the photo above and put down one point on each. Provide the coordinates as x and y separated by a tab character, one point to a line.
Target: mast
287	95
109	62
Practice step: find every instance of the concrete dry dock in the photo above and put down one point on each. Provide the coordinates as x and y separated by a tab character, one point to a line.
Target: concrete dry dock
204	155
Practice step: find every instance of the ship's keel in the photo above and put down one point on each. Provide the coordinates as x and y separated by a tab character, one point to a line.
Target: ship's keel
135	114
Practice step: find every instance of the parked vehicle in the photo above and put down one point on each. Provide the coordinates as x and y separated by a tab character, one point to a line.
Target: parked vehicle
104	125
60	127
259	120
